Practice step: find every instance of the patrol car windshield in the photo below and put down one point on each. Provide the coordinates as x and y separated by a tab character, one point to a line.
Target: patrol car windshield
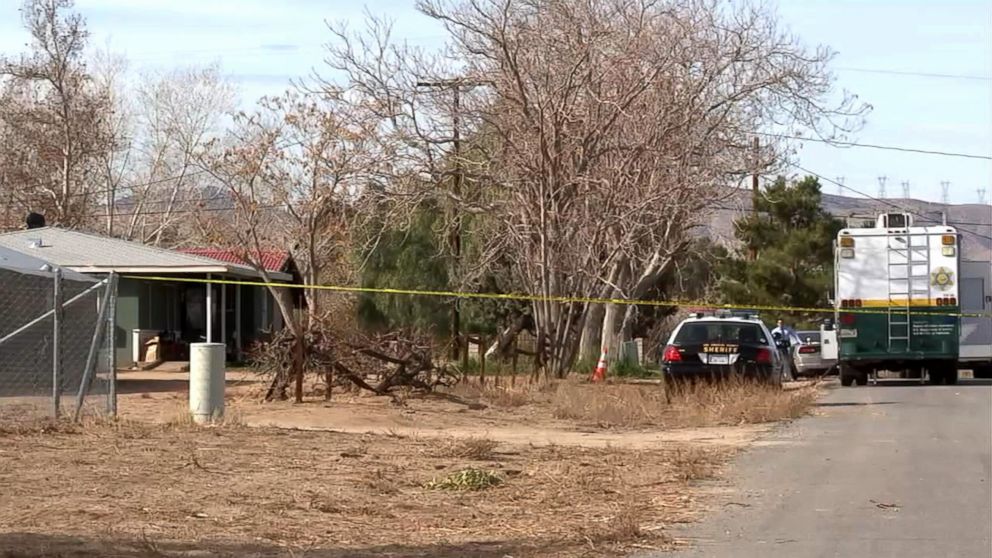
695	333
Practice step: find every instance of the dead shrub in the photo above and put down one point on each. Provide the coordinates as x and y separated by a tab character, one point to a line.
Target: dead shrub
625	526
479	449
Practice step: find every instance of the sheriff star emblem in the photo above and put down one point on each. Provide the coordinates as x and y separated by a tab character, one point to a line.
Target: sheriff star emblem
942	278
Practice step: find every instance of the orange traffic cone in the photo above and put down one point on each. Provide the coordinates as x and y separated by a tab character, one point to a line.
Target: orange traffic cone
600	374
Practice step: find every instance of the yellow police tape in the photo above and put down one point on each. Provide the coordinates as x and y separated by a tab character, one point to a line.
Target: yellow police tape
540	298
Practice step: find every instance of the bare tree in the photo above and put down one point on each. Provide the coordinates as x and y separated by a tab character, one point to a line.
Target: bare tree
179	112
54	118
297	171
116	161
605	129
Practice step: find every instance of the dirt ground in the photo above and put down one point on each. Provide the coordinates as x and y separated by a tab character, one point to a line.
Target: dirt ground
356	476
161	397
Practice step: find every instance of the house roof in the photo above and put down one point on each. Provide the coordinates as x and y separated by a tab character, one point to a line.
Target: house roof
23	263
91	253
270	260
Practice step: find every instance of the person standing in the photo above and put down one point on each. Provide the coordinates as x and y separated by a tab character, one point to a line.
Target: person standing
792	337
786	332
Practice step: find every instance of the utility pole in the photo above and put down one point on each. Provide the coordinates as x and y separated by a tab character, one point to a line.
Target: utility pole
905	189
945	192
881	187
756	146
840	185
455	235
981	195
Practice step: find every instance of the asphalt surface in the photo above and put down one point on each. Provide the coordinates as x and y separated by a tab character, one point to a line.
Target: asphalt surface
893	470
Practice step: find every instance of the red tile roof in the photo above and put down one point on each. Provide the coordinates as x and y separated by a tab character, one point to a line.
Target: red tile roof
271	260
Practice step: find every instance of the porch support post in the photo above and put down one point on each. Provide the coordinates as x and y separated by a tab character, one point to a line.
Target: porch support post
238	338
223	315
210	307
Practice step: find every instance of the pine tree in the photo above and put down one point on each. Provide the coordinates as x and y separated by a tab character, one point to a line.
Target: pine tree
791	237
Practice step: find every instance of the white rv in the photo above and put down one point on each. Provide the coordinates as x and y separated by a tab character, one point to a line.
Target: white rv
976	330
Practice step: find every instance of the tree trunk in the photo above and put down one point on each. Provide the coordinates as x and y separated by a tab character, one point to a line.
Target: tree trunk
590	344
611	318
298	366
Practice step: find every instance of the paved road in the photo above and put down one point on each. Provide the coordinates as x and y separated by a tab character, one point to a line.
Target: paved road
894	470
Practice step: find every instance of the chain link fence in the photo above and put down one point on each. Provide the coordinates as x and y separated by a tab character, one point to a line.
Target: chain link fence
56	344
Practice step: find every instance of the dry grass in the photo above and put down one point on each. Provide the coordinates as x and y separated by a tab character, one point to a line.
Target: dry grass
739	401
625	525
476	448
171	491
732	402
525	392
182	419
692	463
609	405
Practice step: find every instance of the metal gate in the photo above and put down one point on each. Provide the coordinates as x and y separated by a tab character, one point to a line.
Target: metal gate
56	343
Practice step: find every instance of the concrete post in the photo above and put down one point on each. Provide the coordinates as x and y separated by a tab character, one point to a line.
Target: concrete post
206	381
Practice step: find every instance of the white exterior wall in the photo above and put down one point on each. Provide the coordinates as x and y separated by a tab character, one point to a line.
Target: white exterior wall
866	276
976	333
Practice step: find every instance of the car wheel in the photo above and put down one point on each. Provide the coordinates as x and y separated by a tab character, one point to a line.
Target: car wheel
846	381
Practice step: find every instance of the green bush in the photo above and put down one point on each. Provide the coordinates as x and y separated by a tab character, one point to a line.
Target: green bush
630	369
466	479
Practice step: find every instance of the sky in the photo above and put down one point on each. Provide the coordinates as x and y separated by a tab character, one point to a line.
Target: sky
924	65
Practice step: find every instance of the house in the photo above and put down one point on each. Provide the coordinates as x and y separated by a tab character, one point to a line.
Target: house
161	293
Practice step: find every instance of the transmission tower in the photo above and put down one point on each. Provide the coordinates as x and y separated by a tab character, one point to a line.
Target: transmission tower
905	189
981	195
881	186
945	192
840	185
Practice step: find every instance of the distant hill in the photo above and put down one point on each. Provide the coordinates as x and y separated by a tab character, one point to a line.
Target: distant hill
974	221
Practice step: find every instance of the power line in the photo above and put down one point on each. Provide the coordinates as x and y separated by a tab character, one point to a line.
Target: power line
915	74
878	146
897	206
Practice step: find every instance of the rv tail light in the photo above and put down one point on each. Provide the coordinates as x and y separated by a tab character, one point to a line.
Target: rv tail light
948	240
847	319
846	242
952	301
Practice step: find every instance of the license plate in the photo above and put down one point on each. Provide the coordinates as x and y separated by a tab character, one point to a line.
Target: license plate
719	359
848	333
